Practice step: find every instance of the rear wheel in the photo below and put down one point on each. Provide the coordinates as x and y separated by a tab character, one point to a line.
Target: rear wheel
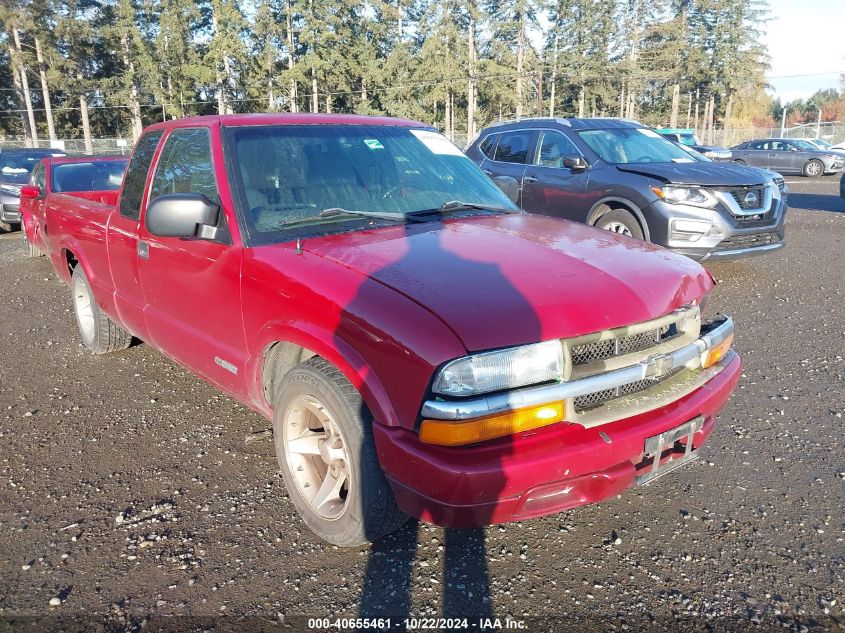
813	167
30	250
99	333
622	222
739	161
327	456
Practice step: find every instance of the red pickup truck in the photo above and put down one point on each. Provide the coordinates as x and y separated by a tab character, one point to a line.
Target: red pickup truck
90	178
420	345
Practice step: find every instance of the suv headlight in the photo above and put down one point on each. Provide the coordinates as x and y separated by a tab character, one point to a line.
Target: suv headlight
504	369
694	196
12	190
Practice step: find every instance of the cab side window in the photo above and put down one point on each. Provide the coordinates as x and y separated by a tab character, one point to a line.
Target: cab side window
553	147
185	165
136	175
513	147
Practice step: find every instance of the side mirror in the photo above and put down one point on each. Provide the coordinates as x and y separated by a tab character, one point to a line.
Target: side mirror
30	191
509	186
183	215
575	163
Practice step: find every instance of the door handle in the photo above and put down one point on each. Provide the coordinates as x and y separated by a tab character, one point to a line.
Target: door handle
529	180
143	249
487	171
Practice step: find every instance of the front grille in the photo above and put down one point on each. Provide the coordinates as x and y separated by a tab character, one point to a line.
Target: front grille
597	399
748	241
748	197
602	350
11	208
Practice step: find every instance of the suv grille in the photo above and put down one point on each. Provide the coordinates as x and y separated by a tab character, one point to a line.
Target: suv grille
748	241
748	197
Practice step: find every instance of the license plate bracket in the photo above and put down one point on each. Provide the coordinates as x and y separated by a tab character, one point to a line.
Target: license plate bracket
654	447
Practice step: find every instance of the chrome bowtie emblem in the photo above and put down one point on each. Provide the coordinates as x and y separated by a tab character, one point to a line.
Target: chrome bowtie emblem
751	199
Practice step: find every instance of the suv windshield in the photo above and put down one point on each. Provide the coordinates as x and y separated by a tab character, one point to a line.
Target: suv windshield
633	145
308	176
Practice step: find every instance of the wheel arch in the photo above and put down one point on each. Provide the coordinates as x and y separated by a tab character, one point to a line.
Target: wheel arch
284	346
610	203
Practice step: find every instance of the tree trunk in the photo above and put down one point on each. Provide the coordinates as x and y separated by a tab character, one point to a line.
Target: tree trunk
86	123
134	104
622	100
472	90
45	90
227	84
315	105
689	109
697	100
448	121
328	104
726	123
581	97
553	87
711	119
291	60
676	103
399	17
16	78
27	97
520	62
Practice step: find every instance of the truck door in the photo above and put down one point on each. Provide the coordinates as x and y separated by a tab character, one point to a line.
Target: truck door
122	237
192	286
551	188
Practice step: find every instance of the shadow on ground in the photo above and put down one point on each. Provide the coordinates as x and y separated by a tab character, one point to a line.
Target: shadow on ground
817	202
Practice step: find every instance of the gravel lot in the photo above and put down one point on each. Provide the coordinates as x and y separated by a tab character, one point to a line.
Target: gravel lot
128	494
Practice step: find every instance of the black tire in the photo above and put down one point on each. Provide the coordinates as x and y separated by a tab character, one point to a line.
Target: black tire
99	333
30	250
739	161
813	167
5	227
369	507
622	222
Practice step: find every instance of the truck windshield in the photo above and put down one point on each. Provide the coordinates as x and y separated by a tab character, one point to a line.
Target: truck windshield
301	175
633	145
93	176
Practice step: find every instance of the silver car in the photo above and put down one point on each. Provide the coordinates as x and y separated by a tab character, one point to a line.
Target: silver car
788	156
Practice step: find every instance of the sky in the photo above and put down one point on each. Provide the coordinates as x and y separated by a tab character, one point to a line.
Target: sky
805	37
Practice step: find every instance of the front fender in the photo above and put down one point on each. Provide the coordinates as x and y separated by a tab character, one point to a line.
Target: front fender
327	345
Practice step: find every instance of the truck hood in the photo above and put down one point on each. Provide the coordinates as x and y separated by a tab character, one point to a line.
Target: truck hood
497	281
710	174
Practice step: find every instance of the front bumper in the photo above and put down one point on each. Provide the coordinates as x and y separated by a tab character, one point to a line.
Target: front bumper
556	467
730	238
538	473
10	210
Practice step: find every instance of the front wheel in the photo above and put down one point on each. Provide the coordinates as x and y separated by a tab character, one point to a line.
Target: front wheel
621	222
814	167
99	333
324	445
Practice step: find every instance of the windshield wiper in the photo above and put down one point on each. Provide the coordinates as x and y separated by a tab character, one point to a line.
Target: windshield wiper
332	212
454	206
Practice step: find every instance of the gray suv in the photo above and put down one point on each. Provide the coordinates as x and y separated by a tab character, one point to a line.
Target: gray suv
15	167
621	176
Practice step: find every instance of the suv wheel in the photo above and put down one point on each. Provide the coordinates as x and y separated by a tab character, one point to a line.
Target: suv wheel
622	222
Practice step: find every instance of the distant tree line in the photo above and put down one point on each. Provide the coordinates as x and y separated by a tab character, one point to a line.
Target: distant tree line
105	68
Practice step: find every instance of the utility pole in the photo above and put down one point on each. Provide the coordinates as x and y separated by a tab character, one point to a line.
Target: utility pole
783	122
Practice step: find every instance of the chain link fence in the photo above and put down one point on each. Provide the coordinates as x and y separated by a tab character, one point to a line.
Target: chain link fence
73	146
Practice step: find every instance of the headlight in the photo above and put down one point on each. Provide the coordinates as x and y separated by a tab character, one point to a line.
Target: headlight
12	190
505	369
717	155
695	196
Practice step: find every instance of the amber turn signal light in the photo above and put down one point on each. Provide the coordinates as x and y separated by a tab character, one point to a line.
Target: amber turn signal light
491	426
715	354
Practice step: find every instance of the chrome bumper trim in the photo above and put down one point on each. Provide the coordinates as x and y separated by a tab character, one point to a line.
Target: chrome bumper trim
689	356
